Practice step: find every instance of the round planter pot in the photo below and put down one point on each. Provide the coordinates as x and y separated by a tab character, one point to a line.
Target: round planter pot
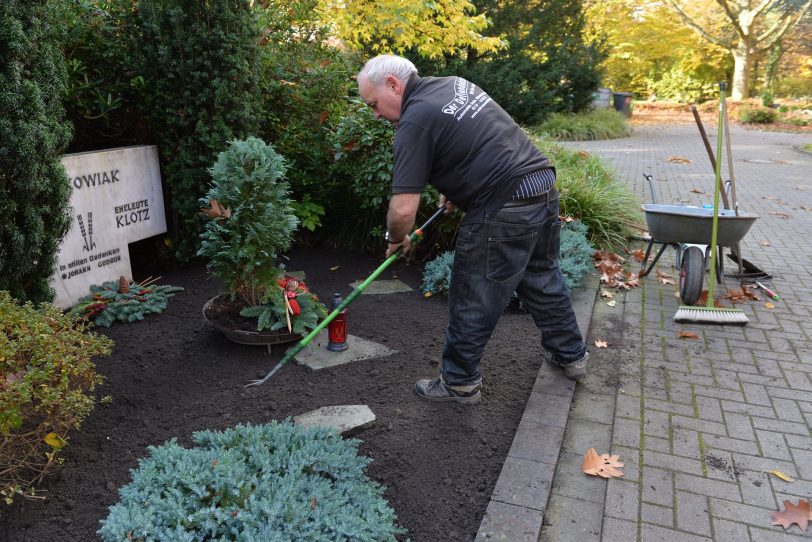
241	336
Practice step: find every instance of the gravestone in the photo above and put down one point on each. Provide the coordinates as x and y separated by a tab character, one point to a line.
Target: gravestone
117	199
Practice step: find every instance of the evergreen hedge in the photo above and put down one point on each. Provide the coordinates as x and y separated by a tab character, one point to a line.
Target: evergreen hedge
34	189
272	482
201	67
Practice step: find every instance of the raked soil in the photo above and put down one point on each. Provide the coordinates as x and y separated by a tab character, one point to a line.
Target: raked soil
174	374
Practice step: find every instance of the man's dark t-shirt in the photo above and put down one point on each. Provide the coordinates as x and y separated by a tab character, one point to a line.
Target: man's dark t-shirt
452	135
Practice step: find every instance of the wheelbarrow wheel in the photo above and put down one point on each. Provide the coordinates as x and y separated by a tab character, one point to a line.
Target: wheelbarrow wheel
691	275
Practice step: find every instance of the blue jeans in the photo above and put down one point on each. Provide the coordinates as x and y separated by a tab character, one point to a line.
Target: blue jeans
514	249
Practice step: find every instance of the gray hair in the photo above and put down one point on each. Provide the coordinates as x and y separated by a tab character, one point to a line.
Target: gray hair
378	68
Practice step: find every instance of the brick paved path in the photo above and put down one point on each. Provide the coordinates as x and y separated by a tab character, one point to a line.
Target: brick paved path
699	423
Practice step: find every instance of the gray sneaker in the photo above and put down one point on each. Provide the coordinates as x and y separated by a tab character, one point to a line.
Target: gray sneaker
577	369
437	390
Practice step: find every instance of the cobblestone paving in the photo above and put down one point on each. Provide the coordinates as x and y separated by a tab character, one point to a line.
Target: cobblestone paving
699	422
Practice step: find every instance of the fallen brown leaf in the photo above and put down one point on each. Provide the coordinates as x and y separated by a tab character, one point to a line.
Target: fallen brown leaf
217	211
697	191
805	208
779	214
679	160
605	466
703	300
739	295
664	277
639	254
687	335
607	294
799	514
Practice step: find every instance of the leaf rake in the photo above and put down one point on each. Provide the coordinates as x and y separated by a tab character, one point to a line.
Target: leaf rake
291	353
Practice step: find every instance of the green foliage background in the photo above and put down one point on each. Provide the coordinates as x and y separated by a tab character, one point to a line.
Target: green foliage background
34	190
549	66
200	62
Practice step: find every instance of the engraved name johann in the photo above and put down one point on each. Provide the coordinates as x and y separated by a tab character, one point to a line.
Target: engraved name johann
82	265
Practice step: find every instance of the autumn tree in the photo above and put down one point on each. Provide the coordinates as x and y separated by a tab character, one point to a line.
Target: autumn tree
431	29
753	28
652	53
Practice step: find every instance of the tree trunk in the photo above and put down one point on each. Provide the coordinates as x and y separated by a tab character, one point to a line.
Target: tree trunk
741	71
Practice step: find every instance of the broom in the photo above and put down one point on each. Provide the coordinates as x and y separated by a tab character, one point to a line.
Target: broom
414	237
709	314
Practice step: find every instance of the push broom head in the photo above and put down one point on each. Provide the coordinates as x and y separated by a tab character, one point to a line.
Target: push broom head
711	315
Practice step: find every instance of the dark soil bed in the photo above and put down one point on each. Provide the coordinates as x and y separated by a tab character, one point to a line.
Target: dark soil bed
173	374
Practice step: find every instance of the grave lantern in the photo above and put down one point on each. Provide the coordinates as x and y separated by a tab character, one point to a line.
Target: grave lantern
337	328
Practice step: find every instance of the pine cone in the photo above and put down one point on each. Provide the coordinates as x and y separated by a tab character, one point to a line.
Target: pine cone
123	285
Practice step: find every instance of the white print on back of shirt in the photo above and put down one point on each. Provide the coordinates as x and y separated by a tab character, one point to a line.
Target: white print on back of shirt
462	103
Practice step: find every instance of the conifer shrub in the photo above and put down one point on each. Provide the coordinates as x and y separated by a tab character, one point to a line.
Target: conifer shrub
34	189
266	482
437	274
122	301
46	382
201	67
252	224
575	260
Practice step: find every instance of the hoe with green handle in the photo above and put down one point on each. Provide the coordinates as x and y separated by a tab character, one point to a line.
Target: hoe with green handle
289	355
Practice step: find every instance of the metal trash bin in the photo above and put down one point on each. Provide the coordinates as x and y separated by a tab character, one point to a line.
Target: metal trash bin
602	98
623	103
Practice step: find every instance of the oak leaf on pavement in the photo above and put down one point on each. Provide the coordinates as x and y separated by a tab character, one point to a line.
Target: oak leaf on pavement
799	514
603	465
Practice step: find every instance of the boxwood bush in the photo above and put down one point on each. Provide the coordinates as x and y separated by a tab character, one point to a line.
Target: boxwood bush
46	384
271	482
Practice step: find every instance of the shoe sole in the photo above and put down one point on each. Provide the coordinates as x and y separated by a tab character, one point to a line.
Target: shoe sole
472	400
577	377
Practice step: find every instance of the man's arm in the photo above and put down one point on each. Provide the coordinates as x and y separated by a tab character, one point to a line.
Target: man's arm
400	221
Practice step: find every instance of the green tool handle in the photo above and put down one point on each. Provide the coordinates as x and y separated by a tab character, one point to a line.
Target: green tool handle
290	354
717	188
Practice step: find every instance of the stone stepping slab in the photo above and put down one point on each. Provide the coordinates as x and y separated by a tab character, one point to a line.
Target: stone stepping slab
379	287
316	356
348	420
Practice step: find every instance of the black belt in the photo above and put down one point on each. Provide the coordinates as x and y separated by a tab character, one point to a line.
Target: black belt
532	200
